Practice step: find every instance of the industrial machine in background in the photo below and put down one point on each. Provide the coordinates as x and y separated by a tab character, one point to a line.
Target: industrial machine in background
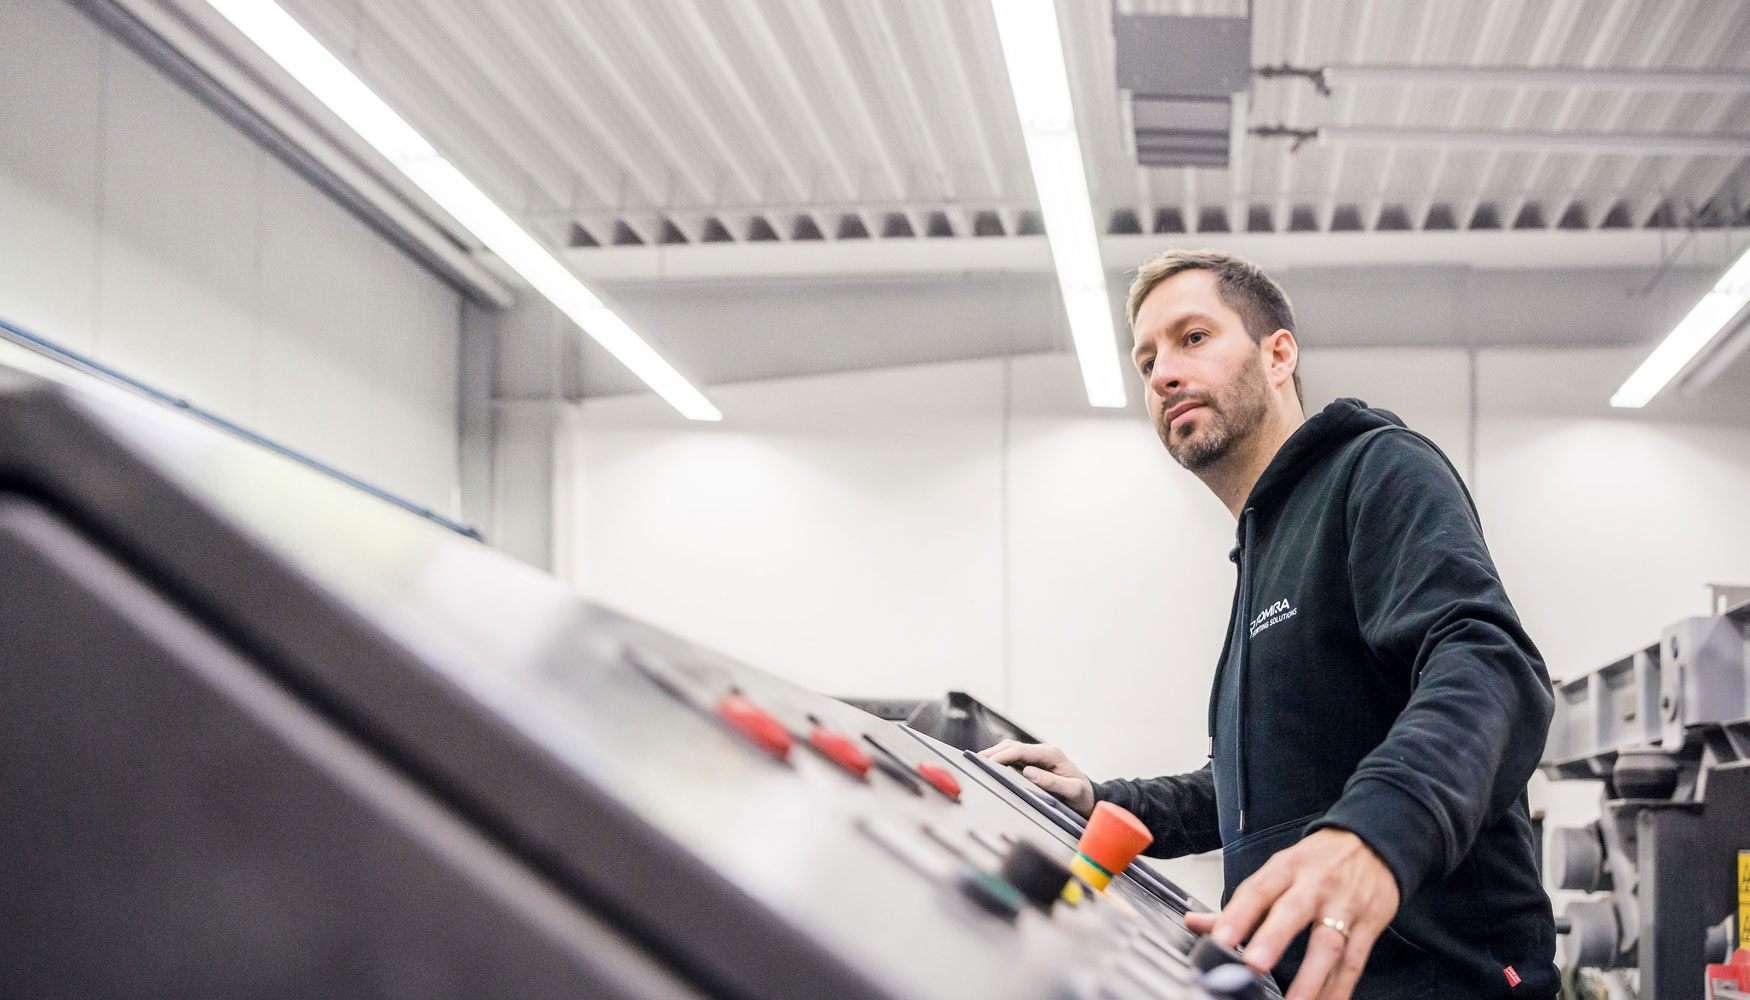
957	719
1667	864
262	734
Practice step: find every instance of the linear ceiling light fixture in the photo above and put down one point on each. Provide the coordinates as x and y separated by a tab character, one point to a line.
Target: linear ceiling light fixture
1034	54
1693	333
327	78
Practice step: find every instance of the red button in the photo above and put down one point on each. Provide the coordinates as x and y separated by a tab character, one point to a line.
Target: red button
942	778
841	750
754	723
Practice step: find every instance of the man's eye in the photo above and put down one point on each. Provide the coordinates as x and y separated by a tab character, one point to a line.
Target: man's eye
1148	366
1194	337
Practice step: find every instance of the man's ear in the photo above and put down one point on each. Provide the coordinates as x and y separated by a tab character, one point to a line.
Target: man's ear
1281	356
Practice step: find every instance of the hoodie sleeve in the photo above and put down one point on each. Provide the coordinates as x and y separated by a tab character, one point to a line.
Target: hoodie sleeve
1179	810
1427	597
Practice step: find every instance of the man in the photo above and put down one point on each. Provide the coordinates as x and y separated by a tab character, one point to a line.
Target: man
1377	710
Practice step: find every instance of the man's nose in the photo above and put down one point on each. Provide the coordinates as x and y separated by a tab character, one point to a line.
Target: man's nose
1165	379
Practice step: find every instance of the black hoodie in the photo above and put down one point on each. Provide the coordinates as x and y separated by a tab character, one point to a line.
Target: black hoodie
1376	680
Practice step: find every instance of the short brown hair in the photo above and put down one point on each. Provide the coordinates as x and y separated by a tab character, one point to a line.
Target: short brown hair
1243	286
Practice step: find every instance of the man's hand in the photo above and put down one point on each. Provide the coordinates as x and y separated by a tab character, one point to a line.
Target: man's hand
1047	767
1329	874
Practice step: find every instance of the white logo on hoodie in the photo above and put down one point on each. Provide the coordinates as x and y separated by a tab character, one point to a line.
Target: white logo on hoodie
1281	611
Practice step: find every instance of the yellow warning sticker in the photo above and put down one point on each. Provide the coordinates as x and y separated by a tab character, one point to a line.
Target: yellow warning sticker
1744	899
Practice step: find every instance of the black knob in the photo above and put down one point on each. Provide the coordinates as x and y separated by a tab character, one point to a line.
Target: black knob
1225	973
1208	953
1233	981
1038	875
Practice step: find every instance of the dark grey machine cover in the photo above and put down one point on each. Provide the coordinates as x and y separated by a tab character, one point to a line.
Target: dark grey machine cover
262	735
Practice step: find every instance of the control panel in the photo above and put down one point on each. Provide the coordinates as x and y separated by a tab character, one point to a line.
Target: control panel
518	791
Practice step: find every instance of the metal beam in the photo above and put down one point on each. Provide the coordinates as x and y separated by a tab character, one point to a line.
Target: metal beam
1481	249
1633	143
1541	76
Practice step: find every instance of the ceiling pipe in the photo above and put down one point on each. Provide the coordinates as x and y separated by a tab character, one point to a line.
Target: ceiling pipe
1635	143
1324	77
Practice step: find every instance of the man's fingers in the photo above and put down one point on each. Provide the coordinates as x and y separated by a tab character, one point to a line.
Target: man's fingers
1043	754
1200	923
1342	981
1002	748
1063	788
1254	896
1289	915
1324	949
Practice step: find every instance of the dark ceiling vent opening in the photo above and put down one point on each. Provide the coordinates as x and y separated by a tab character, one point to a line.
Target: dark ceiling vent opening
936	225
896	225
1259	219
580	237
1169	220
1487	216
1618	217
1028	223
716	232
1123	223
987	224
805	228
761	231
1212	220
1663	217
1393	219
1574	217
1303	220
671	233
1346	219
1714	215
624	236
1440	216
851	227
1530	217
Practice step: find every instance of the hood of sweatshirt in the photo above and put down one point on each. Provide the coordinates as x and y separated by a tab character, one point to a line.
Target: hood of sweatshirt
1330	428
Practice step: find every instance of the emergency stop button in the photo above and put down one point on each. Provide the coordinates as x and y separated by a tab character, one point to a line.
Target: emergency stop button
942	778
756	724
840	749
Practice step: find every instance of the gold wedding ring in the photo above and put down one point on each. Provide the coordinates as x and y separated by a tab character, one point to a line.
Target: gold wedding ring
1337	925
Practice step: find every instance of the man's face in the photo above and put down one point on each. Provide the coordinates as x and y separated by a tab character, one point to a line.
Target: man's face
1207	389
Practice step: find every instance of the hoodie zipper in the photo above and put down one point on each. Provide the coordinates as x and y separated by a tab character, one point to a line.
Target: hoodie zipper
1246	518
1237	639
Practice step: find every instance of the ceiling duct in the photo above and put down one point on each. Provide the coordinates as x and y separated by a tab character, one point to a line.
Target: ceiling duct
1186	80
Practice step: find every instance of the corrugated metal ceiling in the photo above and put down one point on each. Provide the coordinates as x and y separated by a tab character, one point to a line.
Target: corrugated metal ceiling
650	121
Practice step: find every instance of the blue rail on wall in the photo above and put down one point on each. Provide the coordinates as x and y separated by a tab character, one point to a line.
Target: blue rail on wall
76	360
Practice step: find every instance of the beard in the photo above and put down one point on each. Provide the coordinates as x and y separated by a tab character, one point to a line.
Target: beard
1229	417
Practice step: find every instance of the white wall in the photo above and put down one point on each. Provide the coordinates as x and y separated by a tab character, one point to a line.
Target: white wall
975	525
139	227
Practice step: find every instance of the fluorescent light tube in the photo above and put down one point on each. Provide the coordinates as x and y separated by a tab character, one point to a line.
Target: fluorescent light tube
327	78
1694	332
1033	51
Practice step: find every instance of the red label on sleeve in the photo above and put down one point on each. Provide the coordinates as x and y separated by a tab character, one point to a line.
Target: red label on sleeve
1512	977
